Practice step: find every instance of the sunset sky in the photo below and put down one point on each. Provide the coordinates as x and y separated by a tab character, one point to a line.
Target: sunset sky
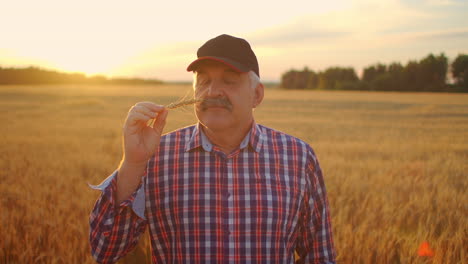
158	39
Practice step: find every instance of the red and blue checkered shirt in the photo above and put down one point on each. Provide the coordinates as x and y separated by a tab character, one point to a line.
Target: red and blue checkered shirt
259	204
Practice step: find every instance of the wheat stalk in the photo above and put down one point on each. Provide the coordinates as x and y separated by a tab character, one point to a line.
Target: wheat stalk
183	103
175	105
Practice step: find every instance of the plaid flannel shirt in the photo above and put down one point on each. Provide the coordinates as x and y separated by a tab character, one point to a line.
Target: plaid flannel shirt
260	204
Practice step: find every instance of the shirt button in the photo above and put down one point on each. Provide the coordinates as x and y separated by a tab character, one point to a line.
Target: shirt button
228	194
228	232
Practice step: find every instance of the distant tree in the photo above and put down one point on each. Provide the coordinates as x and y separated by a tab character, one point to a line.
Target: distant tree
460	71
288	79
335	78
395	71
313	82
35	75
384	78
433	71
412	76
373	71
427	74
294	79
302	78
373	76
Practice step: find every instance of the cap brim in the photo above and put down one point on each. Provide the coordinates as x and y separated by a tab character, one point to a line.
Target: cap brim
228	62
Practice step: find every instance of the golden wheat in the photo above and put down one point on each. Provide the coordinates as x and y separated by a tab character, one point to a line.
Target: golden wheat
394	165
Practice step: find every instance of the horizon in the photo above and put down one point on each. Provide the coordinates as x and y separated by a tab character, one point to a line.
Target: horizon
189	81
157	41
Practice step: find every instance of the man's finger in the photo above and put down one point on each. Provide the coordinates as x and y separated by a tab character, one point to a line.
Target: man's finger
144	110
136	117
160	122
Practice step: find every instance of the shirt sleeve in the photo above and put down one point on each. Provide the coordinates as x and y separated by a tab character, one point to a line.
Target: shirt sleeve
315	243
116	228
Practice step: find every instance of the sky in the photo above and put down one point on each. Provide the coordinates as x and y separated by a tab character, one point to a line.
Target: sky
158	39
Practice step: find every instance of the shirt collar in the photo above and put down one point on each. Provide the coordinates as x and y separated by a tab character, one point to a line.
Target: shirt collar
254	139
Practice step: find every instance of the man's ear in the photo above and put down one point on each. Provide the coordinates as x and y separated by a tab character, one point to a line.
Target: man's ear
258	96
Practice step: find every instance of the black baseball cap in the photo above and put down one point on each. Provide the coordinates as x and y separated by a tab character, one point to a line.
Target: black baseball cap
234	52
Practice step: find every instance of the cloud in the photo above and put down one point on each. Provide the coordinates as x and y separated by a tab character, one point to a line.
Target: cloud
362	19
443	35
293	34
443	2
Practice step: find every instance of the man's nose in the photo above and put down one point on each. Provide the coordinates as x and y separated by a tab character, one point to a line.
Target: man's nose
215	89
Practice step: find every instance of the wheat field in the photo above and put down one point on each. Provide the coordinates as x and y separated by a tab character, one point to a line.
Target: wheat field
395	167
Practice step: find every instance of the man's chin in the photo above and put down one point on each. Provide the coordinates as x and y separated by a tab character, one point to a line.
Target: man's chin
215	123
215	108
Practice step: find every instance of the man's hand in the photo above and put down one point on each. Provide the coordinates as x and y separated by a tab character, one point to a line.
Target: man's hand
140	141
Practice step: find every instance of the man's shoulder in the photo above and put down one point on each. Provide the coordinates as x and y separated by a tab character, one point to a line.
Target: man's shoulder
276	137
292	148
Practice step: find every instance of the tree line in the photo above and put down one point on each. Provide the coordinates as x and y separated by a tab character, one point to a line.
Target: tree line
427	74
35	75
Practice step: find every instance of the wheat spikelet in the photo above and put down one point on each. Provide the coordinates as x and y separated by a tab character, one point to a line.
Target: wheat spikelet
175	105
188	99
183	103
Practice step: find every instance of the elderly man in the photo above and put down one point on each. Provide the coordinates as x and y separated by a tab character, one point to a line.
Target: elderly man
226	190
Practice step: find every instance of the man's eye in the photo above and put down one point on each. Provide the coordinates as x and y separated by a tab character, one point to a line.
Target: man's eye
229	81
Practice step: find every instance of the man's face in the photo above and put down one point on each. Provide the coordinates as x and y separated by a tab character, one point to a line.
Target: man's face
229	97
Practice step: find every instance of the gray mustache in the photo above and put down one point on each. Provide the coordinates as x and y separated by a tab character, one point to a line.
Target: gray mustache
216	102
